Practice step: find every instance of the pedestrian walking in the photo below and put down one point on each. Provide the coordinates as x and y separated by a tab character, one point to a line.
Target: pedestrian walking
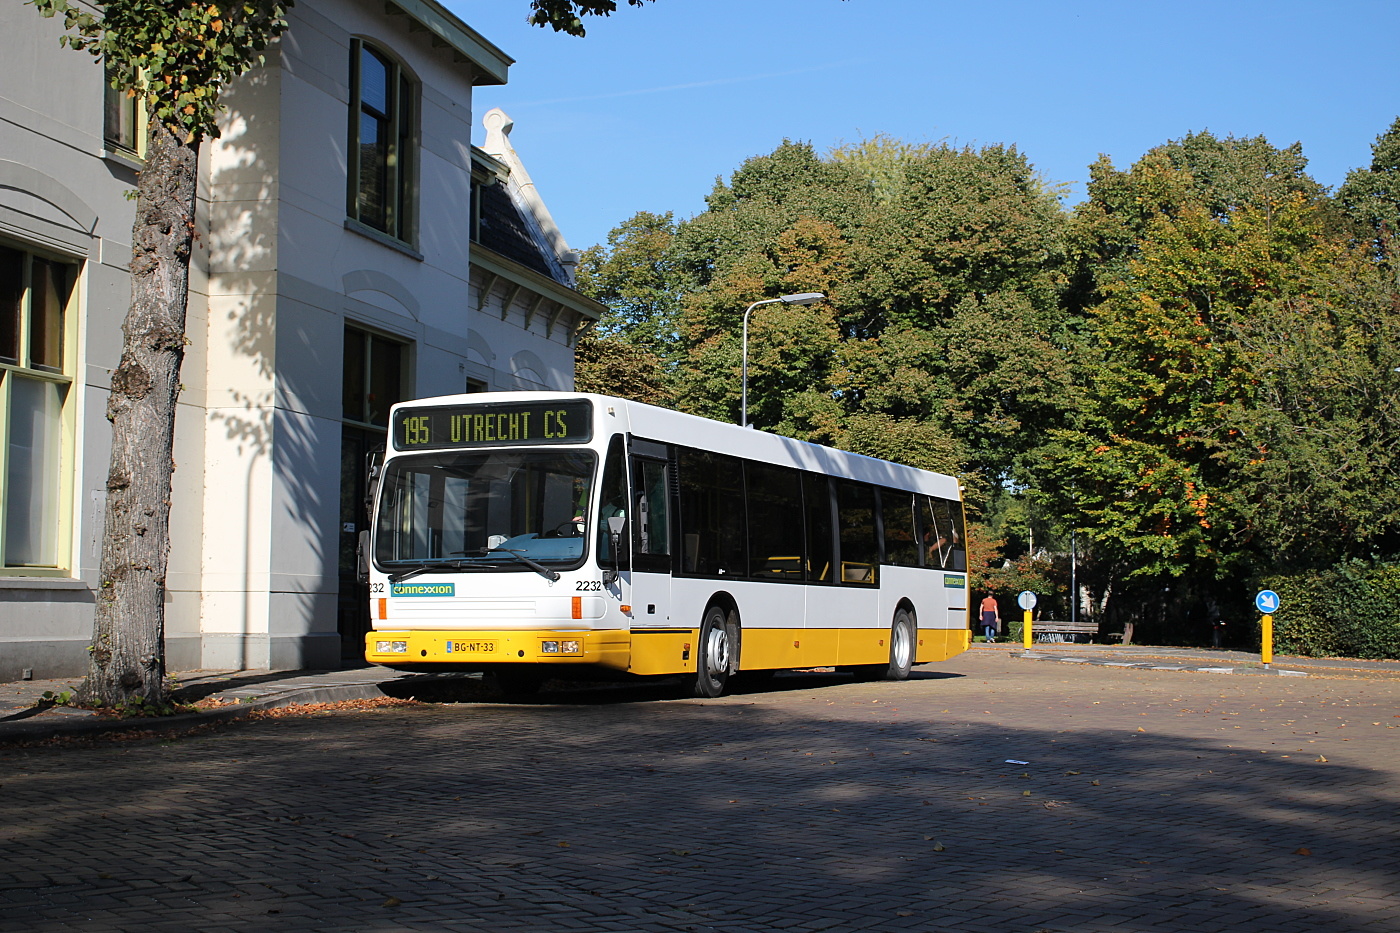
991	618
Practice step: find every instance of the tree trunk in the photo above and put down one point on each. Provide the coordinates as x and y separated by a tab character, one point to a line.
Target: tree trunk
127	655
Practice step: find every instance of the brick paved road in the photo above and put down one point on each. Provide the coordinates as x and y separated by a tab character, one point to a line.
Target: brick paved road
1152	801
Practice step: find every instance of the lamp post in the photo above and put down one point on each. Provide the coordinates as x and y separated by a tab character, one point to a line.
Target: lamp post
805	298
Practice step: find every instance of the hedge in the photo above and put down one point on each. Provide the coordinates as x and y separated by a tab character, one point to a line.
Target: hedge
1347	610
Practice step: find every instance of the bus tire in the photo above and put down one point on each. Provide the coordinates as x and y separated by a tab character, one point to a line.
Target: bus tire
715	655
903	639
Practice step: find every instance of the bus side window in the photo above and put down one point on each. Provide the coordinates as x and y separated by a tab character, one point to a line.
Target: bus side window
816	507
942	532
955	521
775	526
712	513
898	509
860	545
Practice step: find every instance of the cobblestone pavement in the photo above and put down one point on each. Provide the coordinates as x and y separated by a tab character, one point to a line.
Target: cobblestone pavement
987	794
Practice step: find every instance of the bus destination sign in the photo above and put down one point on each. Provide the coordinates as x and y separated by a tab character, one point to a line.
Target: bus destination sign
487	425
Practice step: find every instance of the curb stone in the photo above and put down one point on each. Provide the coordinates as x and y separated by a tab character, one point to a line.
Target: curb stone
248	700
1158	666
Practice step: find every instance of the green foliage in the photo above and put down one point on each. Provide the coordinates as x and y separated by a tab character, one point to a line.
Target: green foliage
616	367
1315	453
1197	370
1201	171
972	375
1155	465
177	55
1351	609
966	223
566	15
1371	196
635	275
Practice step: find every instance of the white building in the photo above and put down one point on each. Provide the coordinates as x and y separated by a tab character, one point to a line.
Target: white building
354	249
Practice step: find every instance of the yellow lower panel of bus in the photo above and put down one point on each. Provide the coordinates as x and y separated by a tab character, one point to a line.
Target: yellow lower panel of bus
664	651
940	644
770	649
606	648
670	651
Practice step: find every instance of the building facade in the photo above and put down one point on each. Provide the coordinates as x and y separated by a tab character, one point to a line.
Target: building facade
354	249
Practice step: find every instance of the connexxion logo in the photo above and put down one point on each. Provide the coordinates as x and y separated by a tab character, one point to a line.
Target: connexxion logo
423	589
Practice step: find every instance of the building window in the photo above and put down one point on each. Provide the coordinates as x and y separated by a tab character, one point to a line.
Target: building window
383	130
123	120
35	391
374	373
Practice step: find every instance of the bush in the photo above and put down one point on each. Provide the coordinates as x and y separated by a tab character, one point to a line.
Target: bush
1347	610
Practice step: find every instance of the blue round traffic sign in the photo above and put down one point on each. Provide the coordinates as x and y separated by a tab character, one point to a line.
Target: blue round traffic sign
1026	600
1267	601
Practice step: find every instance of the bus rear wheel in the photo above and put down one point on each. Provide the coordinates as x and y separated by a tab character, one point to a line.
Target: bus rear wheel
903	637
715	656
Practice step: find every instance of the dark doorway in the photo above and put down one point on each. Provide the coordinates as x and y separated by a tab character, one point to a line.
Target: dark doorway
375	376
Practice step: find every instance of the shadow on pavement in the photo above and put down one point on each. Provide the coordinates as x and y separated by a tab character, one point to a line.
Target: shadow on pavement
471	689
719	817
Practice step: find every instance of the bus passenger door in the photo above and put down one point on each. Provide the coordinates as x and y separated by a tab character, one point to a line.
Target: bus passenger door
651	523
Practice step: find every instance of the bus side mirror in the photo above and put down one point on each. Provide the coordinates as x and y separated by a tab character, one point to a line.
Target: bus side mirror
362	556
615	525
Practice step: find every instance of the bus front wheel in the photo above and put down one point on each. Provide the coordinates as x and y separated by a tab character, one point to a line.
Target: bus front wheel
715	657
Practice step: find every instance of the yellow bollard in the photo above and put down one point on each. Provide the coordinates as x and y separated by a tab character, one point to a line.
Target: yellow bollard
1266	641
1026	628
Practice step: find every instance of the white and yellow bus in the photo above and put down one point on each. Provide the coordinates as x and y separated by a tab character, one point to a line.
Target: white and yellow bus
526	534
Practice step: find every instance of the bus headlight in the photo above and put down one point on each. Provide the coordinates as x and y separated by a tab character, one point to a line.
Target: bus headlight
571	646
391	647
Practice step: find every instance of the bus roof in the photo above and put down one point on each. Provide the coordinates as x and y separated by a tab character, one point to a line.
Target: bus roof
651	422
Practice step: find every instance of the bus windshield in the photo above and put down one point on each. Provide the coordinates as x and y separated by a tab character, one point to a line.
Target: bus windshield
484	509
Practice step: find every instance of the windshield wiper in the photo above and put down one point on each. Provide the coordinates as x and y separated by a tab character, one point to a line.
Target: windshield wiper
427	567
536	566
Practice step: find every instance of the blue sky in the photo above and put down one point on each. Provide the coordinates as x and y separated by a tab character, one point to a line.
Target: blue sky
656	101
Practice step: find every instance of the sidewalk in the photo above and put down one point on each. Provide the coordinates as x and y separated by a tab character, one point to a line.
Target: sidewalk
26	717
1202	660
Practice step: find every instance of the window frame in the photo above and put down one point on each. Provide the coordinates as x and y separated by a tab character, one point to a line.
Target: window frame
369	337
131	107
402	143
24	367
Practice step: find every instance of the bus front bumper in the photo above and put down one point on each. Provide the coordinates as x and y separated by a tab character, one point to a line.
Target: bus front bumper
469	650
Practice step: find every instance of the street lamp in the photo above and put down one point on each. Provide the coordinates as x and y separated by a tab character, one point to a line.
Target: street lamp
805	298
